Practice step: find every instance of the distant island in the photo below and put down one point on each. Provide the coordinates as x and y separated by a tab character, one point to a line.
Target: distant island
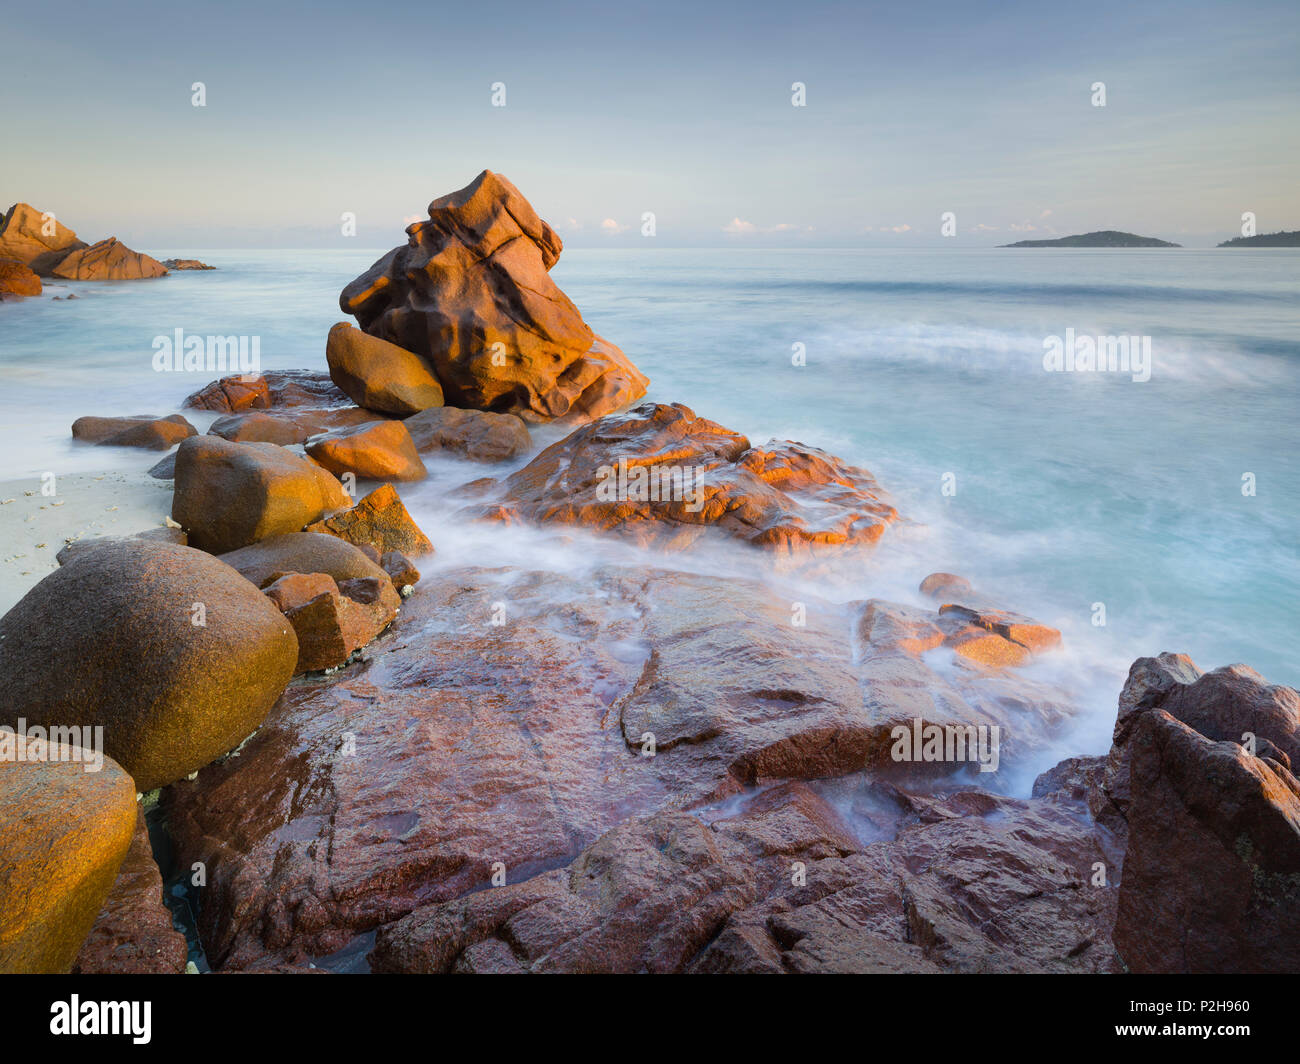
1107	238
1265	240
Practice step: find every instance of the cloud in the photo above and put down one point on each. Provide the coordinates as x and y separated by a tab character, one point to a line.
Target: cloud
740	227
1046	214
904	228
1026	227
610	226
982	228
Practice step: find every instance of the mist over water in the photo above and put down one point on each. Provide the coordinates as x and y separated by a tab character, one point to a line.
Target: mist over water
1071	488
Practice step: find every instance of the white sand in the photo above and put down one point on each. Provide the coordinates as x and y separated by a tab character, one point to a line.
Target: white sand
34	526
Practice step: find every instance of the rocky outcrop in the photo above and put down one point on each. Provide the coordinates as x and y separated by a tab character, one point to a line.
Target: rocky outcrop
1199	776
17	280
37	240
108	260
272	390
509	716
476	435
186	264
379	450
378	375
170	651
133	934
231	494
664	477
65	834
379	520
470	294
140	430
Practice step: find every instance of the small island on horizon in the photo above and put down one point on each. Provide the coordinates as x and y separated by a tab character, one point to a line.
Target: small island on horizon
1106	238
1265	240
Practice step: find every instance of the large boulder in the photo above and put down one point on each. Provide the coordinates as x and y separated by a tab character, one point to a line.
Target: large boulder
378	375
37	241
470	293
63	834
140	430
108	260
133	933
662	476
17	280
379	450
171	651
1199	780
380	520
477	435
231	494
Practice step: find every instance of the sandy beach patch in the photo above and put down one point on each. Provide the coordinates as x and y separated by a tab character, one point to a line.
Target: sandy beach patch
35	524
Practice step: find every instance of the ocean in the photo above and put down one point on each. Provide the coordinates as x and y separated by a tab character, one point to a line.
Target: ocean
1166	507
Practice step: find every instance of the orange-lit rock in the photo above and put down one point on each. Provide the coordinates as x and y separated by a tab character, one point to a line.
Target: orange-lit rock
470	293
661	475
378	450
108	260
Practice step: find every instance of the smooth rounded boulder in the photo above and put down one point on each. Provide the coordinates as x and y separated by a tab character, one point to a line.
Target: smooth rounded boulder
63	835
138	430
302	552
231	494
378	375
381	450
171	651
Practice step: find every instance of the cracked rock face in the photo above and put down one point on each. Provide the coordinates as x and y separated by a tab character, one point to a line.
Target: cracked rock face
470	294
457	744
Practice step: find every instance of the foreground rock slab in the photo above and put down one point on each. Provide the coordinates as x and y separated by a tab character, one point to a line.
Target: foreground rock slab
471	294
460	742
63	835
170	651
272	390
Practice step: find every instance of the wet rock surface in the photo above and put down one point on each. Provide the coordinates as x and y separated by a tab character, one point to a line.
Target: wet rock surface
458	743
662	476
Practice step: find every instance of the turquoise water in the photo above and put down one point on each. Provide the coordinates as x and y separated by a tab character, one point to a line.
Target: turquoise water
1071	489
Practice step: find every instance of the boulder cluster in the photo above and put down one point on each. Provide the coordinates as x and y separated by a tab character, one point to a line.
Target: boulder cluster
626	767
34	244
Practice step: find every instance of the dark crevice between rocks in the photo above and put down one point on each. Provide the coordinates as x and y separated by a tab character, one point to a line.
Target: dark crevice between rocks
179	895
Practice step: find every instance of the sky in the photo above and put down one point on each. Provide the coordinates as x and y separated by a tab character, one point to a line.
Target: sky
683	110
